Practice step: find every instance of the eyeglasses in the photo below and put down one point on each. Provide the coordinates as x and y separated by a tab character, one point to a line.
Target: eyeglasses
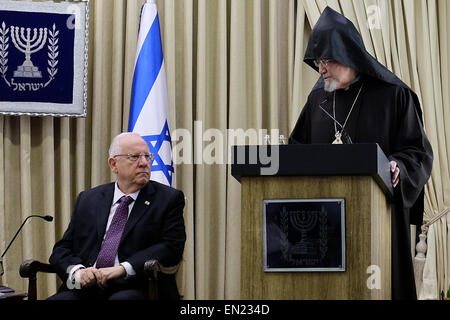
135	157
322	62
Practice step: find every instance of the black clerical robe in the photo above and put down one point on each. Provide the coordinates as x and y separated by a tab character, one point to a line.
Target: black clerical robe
386	114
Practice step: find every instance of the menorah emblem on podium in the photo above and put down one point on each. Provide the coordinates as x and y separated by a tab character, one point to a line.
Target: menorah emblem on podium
303	222
28	44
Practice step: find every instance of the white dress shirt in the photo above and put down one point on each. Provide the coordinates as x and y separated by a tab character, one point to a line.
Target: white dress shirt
117	195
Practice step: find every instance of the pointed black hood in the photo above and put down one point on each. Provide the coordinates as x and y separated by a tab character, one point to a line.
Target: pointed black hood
335	37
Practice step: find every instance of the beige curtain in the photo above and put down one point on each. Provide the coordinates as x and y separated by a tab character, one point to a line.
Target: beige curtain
433	43
233	68
230	64
434	37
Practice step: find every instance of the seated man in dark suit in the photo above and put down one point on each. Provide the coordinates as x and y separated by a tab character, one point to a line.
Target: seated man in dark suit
116	227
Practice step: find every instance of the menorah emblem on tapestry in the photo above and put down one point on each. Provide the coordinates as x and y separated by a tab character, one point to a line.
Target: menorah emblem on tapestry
28	44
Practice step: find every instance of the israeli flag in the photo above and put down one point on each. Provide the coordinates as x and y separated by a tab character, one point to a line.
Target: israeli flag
149	108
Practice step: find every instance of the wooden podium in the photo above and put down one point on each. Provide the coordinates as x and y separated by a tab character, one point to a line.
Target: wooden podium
357	173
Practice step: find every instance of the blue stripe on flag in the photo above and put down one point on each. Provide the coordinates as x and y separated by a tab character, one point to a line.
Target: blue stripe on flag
146	71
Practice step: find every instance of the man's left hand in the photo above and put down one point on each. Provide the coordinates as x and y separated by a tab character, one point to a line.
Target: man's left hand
395	173
103	275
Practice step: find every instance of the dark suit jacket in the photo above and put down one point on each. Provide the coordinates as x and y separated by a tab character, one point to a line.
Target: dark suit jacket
154	230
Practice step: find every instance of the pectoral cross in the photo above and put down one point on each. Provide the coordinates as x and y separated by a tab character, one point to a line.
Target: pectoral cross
338	139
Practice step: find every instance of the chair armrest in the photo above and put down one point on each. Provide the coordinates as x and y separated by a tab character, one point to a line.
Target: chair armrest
153	267
29	268
151	270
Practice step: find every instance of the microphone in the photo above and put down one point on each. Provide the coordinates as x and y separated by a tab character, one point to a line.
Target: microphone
46	218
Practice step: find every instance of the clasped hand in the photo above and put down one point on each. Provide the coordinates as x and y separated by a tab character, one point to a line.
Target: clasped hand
91	276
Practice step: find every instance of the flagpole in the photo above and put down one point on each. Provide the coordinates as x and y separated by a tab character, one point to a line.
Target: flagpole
149	105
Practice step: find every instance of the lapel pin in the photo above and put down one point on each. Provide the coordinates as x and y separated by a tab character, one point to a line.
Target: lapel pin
147	203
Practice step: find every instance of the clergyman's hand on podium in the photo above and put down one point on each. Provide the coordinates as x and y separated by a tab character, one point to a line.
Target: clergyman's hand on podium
395	173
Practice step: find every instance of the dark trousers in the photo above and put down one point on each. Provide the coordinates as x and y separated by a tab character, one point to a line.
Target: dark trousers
95	293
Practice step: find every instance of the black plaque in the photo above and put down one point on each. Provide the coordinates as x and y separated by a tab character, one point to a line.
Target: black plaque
304	235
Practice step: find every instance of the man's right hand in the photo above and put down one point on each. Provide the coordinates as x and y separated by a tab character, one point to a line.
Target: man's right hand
86	277
395	173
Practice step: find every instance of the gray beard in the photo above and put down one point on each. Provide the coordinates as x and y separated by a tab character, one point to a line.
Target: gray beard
331	85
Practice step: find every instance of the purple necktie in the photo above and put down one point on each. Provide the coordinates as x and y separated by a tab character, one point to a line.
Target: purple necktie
108	252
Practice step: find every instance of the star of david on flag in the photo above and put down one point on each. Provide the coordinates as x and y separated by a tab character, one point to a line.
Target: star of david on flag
149	107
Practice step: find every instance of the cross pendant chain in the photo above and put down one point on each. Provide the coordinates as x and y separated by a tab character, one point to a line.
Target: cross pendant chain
338	134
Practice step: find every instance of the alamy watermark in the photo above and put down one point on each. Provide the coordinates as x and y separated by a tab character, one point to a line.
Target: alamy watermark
374	281
213	146
72	282
73	22
375	16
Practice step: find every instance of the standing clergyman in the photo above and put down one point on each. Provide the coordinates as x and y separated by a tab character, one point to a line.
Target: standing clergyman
358	100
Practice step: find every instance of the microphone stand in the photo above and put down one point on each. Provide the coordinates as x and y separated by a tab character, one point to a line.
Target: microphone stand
4	289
